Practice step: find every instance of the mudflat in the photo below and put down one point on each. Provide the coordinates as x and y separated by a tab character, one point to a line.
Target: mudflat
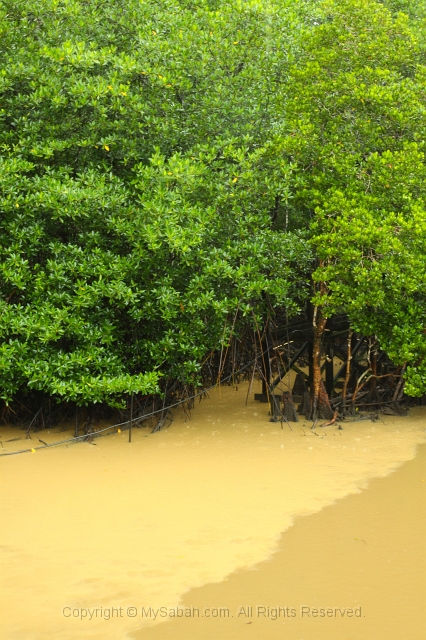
354	571
222	510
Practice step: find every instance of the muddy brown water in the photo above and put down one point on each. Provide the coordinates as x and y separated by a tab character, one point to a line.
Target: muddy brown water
267	533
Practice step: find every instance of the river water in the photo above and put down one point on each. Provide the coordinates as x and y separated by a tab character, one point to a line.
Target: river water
200	515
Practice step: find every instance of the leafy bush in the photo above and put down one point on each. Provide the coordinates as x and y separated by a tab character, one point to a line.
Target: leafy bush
136	188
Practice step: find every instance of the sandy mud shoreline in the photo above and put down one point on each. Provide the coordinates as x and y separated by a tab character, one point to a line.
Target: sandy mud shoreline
174	518
355	570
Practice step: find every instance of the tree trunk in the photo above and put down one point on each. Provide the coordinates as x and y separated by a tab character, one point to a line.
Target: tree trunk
348	371
266	368
320	322
373	386
400	386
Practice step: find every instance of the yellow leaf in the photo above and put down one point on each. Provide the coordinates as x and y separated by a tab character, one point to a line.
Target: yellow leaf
235	180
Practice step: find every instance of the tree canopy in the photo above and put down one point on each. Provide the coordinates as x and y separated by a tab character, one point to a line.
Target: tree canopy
169	170
136	190
355	123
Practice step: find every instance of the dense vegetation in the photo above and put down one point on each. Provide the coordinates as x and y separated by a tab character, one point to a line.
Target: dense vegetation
171	170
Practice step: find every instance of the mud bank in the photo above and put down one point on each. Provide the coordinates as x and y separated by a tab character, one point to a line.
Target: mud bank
121	525
355	570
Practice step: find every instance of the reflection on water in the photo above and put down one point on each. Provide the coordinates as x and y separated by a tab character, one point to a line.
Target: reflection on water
122	525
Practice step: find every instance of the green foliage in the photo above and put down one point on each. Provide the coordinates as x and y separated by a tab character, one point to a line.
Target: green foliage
356	128
170	169
136	188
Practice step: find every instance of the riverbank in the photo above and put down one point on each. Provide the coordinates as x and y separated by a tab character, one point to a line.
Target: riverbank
120	525
354	571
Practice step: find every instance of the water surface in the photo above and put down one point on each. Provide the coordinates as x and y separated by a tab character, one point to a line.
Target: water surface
142	524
